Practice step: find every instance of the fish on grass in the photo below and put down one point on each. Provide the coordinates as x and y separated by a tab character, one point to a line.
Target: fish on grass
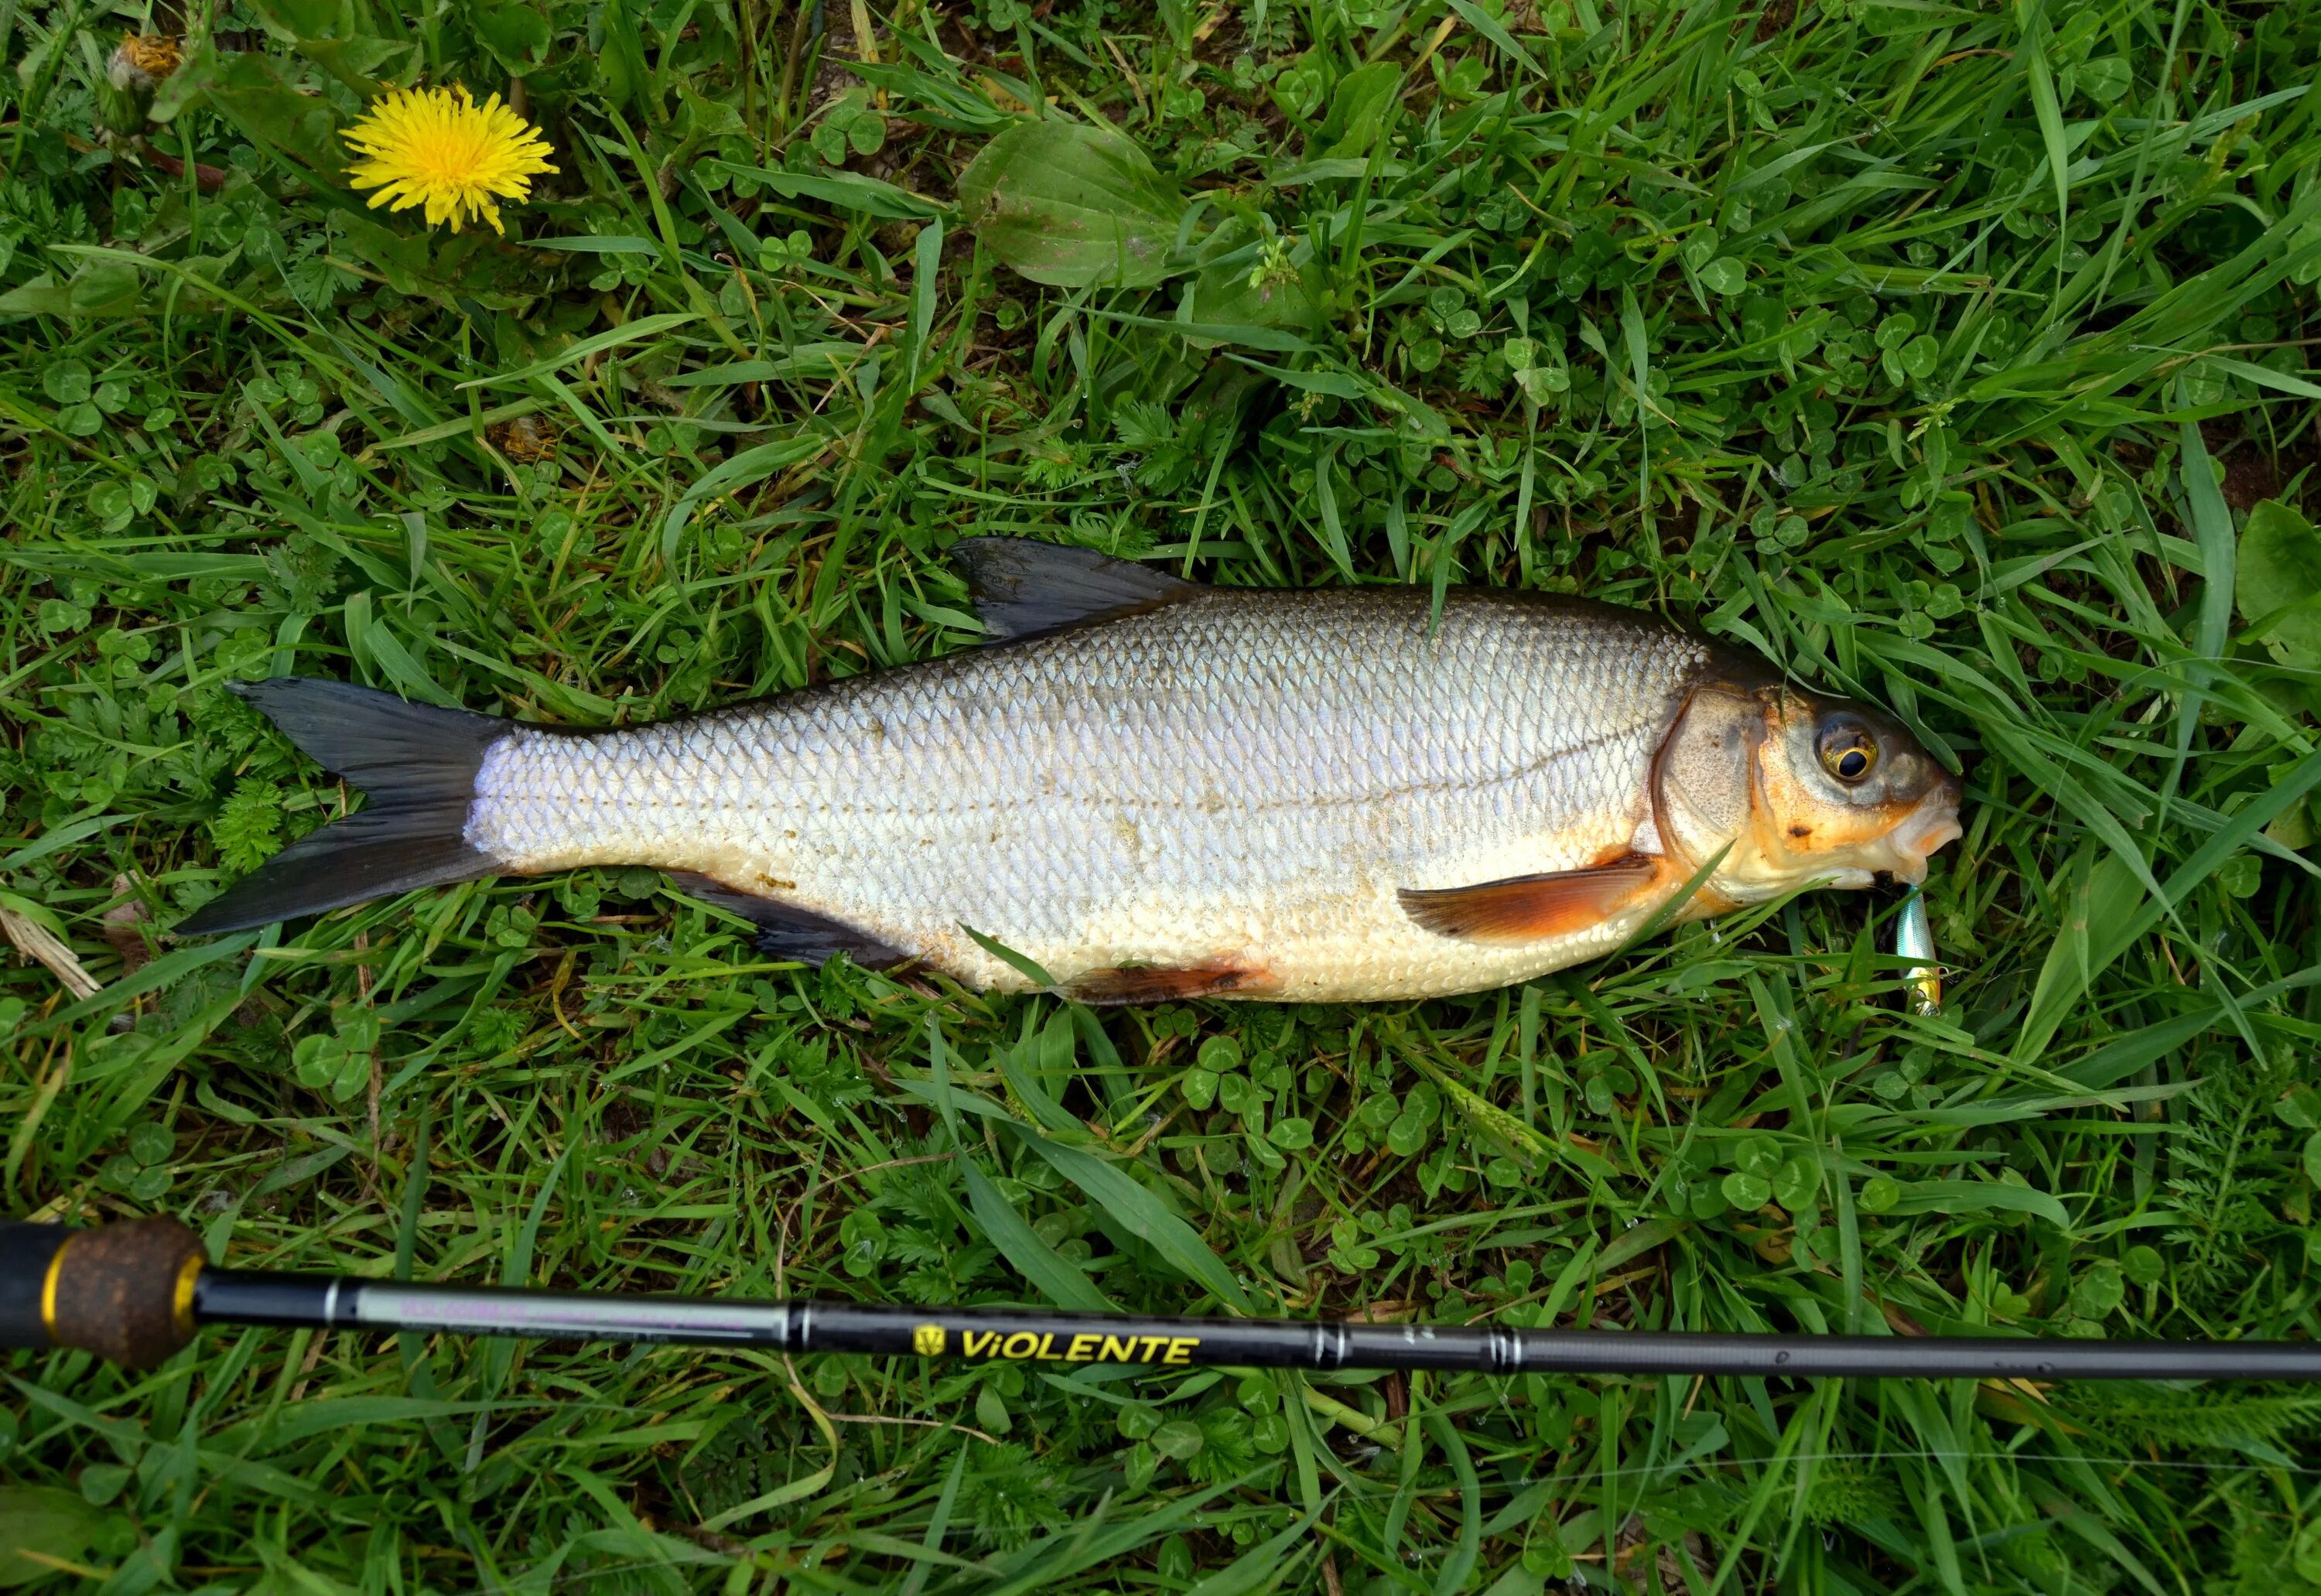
1147	788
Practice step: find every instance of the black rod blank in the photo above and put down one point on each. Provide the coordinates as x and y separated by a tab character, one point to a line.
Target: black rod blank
135	1293
983	1334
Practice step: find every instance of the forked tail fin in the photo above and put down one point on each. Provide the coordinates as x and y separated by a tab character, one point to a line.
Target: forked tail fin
418	764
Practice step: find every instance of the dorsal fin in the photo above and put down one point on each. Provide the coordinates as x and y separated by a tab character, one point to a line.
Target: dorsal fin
1023	588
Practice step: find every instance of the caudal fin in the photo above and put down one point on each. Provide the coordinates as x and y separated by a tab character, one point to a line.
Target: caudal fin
418	764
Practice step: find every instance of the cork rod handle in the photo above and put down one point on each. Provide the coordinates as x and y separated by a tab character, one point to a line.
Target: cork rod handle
124	1292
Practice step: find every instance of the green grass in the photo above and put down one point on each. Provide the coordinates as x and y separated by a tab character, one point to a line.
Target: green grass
1940	353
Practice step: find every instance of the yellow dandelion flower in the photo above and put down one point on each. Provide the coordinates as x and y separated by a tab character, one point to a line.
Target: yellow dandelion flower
437	147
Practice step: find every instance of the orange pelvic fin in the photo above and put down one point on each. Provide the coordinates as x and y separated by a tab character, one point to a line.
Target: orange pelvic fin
1154	983
1530	908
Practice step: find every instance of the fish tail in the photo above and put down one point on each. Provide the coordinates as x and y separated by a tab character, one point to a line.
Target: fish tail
416	761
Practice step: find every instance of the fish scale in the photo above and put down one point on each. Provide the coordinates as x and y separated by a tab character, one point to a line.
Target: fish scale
1240	776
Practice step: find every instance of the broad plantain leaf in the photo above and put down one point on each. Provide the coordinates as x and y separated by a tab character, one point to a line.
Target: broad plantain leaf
621	72
517	36
1358	109
293	20
249	91
2279	586
1072	206
96	289
1231	290
42	1528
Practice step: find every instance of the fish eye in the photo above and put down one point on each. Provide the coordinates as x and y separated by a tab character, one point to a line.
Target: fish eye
1848	752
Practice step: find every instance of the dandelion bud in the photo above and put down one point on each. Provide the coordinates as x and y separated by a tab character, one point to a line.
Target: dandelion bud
142	61
135	70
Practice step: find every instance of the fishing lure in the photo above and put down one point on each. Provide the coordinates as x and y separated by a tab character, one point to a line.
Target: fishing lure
1914	939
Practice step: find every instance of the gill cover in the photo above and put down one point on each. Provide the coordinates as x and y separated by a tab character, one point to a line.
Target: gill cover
1704	791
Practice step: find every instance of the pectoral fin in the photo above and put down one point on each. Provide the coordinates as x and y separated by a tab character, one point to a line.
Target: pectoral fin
1532	908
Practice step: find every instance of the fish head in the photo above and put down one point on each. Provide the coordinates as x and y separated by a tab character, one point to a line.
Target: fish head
1798	789
1845	795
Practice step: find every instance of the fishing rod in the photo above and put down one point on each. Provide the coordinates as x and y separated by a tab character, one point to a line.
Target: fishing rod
135	1293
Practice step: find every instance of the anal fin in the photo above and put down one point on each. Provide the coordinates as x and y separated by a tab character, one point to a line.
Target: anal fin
789	931
1160	983
1532	908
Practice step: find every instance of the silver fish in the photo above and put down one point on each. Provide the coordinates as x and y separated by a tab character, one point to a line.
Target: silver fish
1152	789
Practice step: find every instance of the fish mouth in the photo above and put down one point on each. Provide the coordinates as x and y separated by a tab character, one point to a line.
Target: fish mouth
1933	824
